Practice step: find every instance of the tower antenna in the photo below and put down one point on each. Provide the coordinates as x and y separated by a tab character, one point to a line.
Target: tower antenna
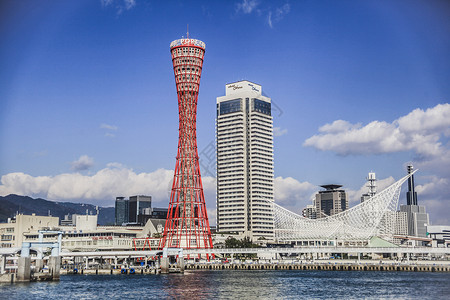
187	31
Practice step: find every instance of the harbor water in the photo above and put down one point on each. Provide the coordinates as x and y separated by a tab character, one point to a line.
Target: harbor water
240	284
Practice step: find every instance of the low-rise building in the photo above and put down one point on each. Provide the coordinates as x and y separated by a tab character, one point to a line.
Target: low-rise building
12	232
82	235
439	234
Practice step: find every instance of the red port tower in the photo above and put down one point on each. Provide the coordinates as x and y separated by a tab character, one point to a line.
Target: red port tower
187	223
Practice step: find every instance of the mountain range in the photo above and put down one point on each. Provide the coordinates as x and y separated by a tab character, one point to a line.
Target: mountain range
12	204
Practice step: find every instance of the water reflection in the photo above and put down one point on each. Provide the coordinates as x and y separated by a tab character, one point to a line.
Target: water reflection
239	284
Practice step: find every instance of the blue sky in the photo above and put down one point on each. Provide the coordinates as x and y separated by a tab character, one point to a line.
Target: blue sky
88	107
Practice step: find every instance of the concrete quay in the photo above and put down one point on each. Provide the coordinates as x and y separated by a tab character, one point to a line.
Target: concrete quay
419	266
328	266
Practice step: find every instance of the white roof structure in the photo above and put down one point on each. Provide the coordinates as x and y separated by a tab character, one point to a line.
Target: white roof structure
360	222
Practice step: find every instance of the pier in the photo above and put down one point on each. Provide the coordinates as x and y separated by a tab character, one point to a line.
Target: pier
24	268
327	266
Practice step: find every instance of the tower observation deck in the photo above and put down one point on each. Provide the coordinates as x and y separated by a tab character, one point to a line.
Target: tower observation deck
187	223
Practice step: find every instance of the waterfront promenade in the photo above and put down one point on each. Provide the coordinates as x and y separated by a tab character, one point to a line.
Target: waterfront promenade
419	259
317	265
316	252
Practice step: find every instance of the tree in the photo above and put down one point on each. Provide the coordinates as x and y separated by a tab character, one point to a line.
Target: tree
231	242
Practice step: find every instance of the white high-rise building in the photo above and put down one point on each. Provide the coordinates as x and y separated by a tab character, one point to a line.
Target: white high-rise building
244	133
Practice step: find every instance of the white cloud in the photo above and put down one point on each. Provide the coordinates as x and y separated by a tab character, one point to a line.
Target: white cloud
269	19
354	197
293	194
339	126
120	5
83	163
434	193
101	188
116	180
277	131
273	15
212	216
424	132
278	14
246	6
434	184
108	127
106	2
419	131
129	4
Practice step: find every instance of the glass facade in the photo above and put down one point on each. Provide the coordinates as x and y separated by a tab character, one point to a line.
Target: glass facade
137	206
230	106
121	211
261	106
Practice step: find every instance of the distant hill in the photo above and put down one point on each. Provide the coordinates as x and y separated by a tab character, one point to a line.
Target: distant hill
11	204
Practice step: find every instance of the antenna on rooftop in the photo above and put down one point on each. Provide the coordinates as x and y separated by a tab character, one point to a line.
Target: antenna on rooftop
187	33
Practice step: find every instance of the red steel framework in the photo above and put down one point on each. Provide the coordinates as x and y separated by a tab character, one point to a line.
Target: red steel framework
187	223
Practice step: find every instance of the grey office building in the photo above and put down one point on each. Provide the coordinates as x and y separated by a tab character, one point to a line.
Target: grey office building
417	217
331	201
138	207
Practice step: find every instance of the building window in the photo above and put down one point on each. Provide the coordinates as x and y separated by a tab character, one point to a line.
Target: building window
230	106
261	106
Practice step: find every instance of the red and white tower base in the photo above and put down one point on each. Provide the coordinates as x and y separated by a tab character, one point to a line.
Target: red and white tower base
187	223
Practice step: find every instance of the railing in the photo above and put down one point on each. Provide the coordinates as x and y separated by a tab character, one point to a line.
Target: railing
321	249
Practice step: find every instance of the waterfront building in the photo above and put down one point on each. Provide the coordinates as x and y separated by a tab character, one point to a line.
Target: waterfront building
371	185
86	235
244	137
331	201
187	224
11	233
440	235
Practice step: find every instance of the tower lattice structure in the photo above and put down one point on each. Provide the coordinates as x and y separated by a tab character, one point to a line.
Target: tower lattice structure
187	223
